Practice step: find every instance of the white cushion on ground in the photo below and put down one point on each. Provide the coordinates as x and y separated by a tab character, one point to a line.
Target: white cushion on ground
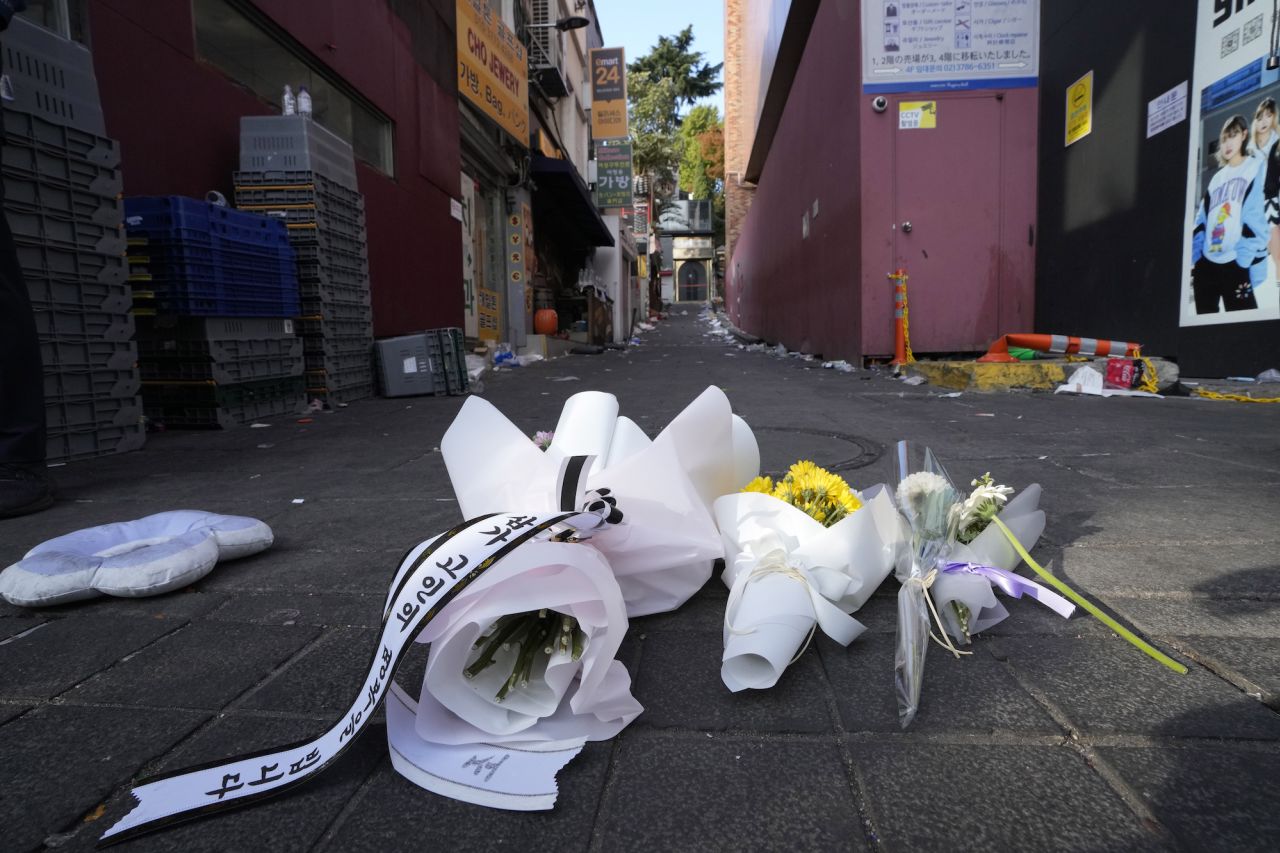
148	556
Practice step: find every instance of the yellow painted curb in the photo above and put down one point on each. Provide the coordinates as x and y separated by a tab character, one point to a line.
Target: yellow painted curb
972	376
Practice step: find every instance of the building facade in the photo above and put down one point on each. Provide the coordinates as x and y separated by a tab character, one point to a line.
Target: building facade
176	77
1049	180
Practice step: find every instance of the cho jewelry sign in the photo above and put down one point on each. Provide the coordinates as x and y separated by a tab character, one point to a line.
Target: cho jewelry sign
493	69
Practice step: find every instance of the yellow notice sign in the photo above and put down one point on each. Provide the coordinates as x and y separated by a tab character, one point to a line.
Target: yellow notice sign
1079	109
493	70
917	115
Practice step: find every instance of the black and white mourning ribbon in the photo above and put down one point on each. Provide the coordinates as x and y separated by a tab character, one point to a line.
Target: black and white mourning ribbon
430	576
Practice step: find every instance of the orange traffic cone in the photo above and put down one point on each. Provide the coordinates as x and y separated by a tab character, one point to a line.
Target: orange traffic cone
901	343
1064	344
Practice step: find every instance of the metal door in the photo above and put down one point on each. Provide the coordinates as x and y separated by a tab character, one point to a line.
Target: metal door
946	183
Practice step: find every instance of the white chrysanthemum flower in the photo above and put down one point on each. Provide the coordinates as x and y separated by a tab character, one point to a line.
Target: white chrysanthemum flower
916	488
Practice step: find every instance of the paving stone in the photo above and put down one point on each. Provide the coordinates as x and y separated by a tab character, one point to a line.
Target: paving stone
395	814
303	608
679	686
1219	569
205	665
972	695
1211	798
1106	686
939	796
727	793
325	679
178	606
1257	659
60	762
293	821
703	612
65	652
1219	617
294	566
9	710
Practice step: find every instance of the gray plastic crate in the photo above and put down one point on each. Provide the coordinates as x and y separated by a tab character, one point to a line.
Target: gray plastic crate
47	293
57	167
80	415
63	385
44	229
318	327
35	196
83	355
220	329
450	344
336	308
67	324
225	362
87	444
31	130
406	366
280	179
295	143
51	77
43	260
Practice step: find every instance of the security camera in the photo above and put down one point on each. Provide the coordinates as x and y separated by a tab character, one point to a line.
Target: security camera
879	103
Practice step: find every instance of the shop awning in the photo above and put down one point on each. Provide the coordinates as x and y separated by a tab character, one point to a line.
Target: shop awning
562	197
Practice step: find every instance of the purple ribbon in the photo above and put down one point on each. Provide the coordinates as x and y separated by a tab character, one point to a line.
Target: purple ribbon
1015	586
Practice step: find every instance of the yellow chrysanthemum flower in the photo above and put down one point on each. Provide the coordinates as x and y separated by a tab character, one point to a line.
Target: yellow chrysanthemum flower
821	495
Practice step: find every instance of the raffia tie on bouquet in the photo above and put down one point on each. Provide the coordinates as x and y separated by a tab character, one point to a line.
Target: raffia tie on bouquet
820	586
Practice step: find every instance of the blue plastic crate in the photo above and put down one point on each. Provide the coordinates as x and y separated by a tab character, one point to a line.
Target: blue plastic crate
181	218
165	213
225	306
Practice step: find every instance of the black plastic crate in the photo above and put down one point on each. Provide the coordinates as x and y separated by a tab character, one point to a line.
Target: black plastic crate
87	444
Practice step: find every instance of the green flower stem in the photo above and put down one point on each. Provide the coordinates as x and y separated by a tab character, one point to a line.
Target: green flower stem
1079	599
502	633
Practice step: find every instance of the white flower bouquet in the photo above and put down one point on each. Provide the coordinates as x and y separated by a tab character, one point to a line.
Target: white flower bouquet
665	549
958	555
523	669
799	556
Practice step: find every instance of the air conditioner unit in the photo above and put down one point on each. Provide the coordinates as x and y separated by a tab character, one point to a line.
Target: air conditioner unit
546	54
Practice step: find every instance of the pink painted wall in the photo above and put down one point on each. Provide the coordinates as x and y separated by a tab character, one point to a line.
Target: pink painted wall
1015	263
801	292
829	293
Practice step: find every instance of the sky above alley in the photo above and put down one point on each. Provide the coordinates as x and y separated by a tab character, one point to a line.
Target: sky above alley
636	26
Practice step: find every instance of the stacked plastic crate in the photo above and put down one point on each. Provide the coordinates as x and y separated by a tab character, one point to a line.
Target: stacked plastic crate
215	291
296	171
430	362
62	200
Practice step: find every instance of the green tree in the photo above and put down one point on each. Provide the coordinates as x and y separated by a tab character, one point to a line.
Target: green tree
655	138
702	152
672	59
